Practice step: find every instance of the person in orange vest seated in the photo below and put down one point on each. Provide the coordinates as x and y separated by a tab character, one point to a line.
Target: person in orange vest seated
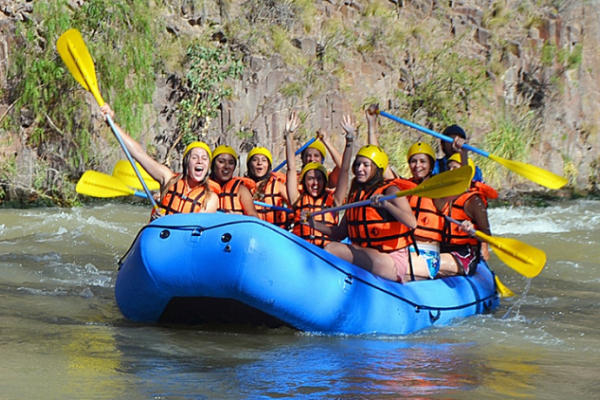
185	192
317	152
460	252
313	194
371	114
430	222
234	196
267	188
380	232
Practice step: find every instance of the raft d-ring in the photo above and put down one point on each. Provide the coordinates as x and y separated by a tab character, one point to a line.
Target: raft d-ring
349	279
197	232
434	318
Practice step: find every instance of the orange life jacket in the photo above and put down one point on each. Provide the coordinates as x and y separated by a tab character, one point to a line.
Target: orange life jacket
272	195
214	186
404	184
486	191
176	201
373	227
430	222
312	204
229	200
452	233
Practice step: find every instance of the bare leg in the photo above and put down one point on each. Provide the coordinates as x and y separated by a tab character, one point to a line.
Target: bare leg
420	268
372	260
449	266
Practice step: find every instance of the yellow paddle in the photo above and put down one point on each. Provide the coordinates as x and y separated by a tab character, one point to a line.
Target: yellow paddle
446	184
126	174
523	258
97	184
502	290
77	58
533	173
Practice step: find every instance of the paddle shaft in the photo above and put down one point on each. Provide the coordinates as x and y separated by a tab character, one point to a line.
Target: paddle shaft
455	221
258	203
94	89
363	202
300	150
276	208
433	133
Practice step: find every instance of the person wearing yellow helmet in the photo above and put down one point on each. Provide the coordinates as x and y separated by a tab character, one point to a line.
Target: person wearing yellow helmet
234	197
380	232
266	187
425	255
311	194
184	192
460	252
317	152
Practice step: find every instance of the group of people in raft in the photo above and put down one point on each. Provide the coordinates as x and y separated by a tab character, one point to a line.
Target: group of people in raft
403	239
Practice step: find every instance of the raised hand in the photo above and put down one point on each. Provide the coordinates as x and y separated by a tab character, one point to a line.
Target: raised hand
371	113
349	126
292	123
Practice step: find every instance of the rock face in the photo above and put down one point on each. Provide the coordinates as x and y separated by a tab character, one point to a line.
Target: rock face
562	91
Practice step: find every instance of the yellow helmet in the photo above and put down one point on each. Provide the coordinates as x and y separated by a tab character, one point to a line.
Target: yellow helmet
201	145
261	150
375	154
456	158
313	165
420	148
224	149
317	144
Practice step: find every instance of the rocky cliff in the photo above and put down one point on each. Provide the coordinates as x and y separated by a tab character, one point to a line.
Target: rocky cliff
519	76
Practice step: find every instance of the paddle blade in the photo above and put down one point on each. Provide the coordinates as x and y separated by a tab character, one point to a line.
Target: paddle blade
446	184
124	172
97	184
501	289
73	37
77	58
533	173
523	258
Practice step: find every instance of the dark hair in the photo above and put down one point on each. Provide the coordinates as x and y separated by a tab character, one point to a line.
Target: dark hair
323	189
261	182
455	130
212	166
376	180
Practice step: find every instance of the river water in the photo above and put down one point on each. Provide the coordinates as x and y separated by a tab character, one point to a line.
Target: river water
63	337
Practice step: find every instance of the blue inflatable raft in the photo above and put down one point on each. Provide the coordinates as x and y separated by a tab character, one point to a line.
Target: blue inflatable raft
228	269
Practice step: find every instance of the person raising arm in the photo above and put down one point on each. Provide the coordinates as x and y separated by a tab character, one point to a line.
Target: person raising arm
184	192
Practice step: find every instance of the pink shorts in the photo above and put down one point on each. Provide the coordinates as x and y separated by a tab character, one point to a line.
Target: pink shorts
400	258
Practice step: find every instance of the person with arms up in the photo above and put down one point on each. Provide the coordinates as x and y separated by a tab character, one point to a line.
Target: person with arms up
380	232
313	194
185	192
459	137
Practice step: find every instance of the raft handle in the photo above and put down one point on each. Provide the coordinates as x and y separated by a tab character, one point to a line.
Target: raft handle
434	318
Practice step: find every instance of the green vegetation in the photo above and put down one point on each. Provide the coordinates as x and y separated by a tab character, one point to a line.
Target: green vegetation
205	88
513	133
120	37
437	78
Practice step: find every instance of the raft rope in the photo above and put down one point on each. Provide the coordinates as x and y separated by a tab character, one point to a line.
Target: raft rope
276	229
